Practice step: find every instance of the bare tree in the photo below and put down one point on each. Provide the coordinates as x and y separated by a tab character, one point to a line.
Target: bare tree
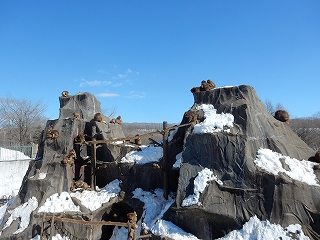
271	108
21	120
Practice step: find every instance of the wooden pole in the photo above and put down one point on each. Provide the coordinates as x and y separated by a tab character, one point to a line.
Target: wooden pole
165	160
93	159
52	227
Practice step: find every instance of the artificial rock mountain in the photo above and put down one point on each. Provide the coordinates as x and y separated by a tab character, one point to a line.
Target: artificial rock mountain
246	190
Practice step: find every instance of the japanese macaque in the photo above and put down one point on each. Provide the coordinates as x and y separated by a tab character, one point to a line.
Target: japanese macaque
282	116
65	94
79	138
117	120
79	184
137	140
97	117
69	158
190	116
195	89
51	133
76	115
205	86
317	157
132	219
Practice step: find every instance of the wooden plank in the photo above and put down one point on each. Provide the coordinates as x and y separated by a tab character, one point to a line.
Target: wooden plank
78	221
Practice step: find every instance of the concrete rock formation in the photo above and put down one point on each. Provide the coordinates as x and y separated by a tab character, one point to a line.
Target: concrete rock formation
246	190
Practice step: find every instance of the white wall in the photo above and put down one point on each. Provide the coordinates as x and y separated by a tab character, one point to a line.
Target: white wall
11	176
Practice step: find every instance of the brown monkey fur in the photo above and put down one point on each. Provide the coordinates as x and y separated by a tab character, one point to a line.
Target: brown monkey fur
69	158
97	117
132	219
51	133
79	138
137	140
79	184
117	120
65	94
76	115
282	116
205	86
190	116
317	157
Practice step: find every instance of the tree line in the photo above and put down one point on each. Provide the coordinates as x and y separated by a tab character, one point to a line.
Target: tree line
22	122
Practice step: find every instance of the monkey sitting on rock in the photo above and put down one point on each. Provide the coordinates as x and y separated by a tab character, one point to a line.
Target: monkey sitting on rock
51	133
76	115
65	94
79	184
205	86
69	158
80	138
97	117
117	120
282	116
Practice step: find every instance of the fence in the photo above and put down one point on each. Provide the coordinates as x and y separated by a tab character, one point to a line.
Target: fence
9	153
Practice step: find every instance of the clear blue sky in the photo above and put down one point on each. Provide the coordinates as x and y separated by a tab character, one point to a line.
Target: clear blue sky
143	57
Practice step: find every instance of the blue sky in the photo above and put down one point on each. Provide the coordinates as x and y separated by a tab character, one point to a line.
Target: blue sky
143	57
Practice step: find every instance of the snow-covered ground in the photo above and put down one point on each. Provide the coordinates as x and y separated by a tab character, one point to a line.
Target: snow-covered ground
155	205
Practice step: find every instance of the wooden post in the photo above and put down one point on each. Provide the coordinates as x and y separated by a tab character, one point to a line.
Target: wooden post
93	159
165	160
52	227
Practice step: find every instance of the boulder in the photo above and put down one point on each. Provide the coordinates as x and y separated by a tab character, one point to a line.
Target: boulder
243	189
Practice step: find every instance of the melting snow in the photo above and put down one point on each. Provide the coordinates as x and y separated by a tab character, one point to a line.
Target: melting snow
200	183
59	203
299	170
213	122
22	213
146	155
94	199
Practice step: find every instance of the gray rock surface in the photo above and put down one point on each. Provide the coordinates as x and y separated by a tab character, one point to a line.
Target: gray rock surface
246	189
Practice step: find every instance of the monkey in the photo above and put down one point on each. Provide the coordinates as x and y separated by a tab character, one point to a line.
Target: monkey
51	133
195	89
210	85
132	219
97	117
137	140
317	157
117	120
65	94
76	115
79	138
282	116
205	86
69	158
190	116
79	184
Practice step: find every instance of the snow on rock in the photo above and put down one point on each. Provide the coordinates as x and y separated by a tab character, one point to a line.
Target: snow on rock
178	160
170	230
94	199
155	205
302	171
200	183
146	155
264	230
22	213
213	122
56	237
59	203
